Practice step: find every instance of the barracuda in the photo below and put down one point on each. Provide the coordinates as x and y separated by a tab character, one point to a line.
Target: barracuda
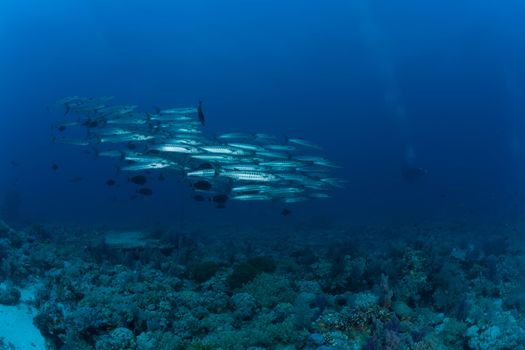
215	158
247	147
139	158
239	166
148	166
250	188
280	192
125	138
334	182
281	164
106	111
178	111
318	195
187	130
272	154
312	169
252	197
304	143
280	147
264	137
110	154
254	176
70	141
311	159
294	199
66	124
224	150
127	121
245	167
176	148
169	117
113	132
235	135
189	142
202	173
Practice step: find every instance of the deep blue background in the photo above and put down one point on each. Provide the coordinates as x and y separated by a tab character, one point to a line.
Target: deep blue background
371	81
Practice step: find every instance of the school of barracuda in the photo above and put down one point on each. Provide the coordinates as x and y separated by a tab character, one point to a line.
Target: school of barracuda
236	166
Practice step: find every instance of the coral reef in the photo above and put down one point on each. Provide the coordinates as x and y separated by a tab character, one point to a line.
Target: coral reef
427	289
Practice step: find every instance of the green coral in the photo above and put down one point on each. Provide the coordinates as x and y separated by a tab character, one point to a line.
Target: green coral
246	271
202	272
269	290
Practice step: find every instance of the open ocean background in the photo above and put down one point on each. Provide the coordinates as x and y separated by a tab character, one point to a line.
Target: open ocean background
441	83
389	262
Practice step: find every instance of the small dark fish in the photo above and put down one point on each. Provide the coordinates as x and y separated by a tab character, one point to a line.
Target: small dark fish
111	182
286	212
114	198
76	179
134	196
15	164
200	113
220	198
145	191
162	177
131	146
221	206
90	123
202	185
62	128
54	167
411	173
199	198
205	166
138	179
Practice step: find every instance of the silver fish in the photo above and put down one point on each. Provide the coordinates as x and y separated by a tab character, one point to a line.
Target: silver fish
252	197
148	166
75	142
125	138
281	163
224	150
247	147
178	110
254	176
269	154
176	148
250	188
220	158
234	136
244	167
304	143
202	173
280	147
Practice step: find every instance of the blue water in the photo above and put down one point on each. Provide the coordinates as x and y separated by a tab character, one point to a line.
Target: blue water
439	84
